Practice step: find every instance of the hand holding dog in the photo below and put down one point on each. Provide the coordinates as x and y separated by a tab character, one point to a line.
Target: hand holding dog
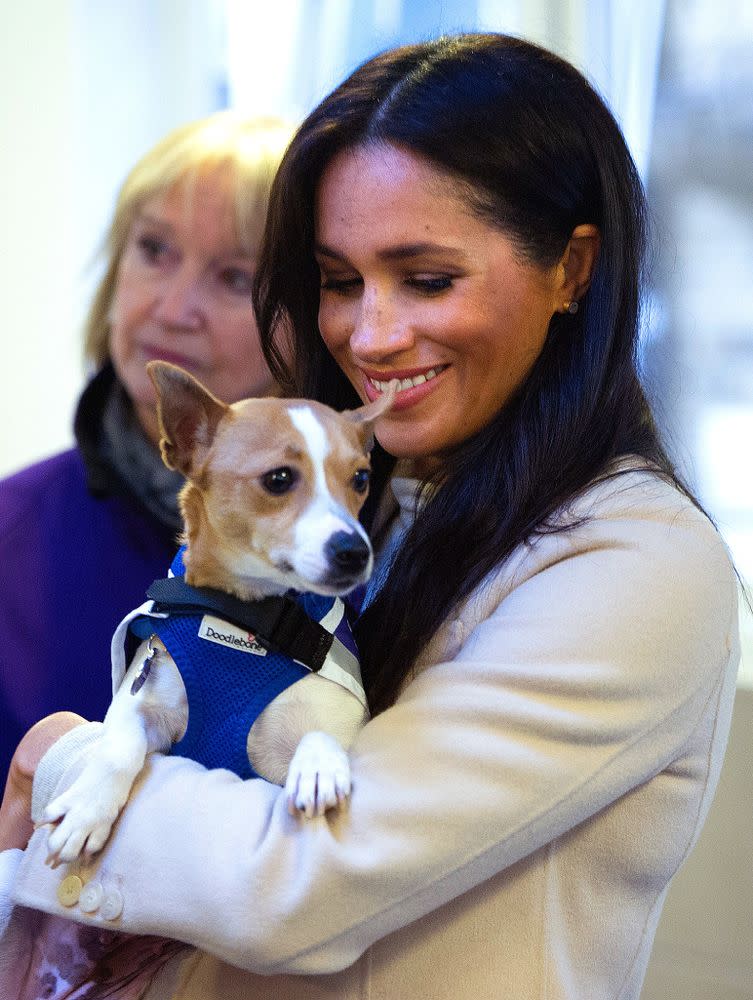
15	811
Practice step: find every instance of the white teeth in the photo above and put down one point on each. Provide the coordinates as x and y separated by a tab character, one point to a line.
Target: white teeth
408	383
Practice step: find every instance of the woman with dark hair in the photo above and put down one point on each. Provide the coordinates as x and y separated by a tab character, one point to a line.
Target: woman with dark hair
549	639
539	169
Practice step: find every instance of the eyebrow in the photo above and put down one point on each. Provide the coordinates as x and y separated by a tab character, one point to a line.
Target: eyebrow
402	252
152	220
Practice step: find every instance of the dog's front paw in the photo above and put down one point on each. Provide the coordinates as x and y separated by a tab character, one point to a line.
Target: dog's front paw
83	815
318	776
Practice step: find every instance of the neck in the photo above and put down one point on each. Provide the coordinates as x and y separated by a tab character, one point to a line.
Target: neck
147	418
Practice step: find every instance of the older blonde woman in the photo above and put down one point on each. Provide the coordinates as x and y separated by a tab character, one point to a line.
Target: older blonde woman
84	532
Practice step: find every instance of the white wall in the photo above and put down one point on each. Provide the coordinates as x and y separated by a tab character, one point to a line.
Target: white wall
38	222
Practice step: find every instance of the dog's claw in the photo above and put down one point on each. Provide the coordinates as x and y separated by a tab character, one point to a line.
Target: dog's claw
319	776
82	817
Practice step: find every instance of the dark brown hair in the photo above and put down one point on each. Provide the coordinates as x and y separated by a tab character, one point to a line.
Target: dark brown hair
538	153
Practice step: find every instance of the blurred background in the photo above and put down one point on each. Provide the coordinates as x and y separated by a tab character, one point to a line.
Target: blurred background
89	85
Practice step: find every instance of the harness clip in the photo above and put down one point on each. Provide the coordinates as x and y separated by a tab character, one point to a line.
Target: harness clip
146	666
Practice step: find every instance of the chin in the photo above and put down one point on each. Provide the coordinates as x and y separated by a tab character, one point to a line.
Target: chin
403	447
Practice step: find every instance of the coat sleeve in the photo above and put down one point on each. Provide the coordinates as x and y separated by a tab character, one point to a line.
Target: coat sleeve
586	679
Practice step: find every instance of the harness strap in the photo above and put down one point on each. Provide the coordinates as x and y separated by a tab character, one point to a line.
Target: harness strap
278	623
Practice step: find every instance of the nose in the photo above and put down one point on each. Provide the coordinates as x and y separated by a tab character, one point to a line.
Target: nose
380	329
347	552
179	299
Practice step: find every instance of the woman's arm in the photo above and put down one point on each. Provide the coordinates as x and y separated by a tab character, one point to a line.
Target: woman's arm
588	680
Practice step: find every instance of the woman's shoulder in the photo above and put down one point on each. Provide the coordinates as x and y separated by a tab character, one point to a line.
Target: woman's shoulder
34	488
629	486
40	474
632	535
634	505
36	503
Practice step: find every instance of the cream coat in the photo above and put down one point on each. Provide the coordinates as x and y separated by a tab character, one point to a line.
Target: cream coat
516	816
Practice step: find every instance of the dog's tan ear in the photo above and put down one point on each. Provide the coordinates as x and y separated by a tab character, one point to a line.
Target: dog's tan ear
188	416
366	416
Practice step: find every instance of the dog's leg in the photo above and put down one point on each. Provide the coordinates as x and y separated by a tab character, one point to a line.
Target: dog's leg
319	776
142	717
300	741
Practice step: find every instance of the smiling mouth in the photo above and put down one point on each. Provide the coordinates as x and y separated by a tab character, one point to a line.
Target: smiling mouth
408	383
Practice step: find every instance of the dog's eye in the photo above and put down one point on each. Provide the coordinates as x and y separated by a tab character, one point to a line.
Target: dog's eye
361	480
280	480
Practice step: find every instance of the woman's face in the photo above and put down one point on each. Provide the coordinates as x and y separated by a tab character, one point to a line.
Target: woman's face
416	287
183	294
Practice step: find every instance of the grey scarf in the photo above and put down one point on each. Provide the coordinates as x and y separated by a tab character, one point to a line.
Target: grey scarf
137	462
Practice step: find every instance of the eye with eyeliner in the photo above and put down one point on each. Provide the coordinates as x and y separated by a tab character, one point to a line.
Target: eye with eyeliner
430	284
423	284
340	286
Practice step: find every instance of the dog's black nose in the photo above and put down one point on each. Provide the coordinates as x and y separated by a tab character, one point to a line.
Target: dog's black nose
347	552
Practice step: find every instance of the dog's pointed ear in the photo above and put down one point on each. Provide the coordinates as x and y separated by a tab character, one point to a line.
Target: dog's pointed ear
366	416
188	415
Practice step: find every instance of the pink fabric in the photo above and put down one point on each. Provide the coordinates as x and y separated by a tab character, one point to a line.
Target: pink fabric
62	960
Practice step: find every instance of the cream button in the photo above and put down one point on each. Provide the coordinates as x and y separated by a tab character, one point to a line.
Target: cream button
69	890
112	905
91	897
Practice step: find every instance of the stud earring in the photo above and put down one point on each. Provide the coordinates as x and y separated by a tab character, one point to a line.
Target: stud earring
572	306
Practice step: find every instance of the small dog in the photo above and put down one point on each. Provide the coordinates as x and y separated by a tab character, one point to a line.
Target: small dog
271	501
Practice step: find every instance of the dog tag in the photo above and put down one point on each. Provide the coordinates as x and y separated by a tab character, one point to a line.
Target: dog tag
146	666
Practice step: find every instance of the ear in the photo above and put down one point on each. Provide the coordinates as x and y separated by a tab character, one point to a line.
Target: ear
366	416
188	415
576	266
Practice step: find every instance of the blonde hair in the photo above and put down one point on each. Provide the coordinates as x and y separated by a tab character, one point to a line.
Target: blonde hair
249	150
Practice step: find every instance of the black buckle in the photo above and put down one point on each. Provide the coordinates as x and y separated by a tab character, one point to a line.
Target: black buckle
278	623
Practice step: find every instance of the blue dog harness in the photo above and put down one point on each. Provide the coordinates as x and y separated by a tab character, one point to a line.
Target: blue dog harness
231	674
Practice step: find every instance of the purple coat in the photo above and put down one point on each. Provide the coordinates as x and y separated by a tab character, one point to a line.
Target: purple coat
72	563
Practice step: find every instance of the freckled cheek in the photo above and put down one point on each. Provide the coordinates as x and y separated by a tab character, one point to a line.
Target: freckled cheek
335	326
